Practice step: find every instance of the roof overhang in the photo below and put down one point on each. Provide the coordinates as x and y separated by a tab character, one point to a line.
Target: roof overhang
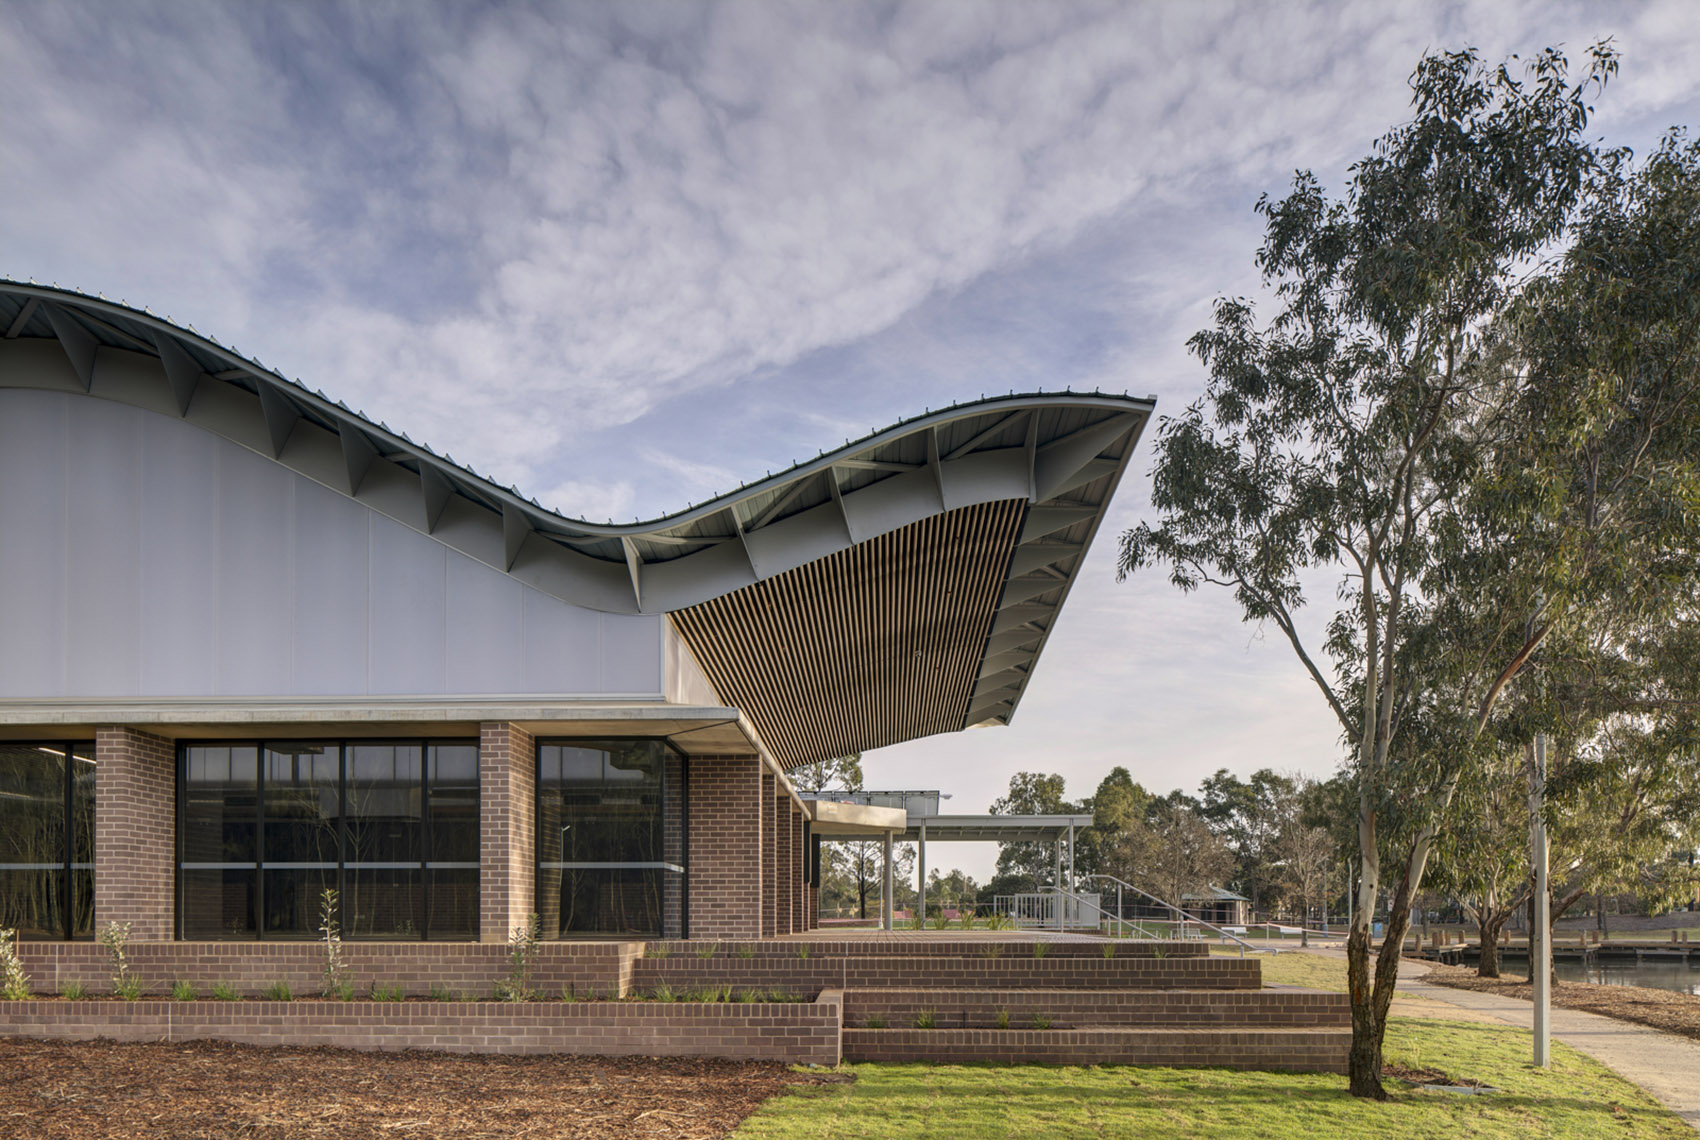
903	584
840	820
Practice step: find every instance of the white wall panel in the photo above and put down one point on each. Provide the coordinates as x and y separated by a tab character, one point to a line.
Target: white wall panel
103	590
177	559
32	543
331	588
163	561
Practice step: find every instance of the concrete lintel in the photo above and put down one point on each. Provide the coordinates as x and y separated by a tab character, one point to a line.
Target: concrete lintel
833	818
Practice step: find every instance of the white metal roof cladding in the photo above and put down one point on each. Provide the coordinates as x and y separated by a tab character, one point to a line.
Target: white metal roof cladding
1042	465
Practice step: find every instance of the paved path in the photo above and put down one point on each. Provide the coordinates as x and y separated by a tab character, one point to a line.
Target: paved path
1666	1065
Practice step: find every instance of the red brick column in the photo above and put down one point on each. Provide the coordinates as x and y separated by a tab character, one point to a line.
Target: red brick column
799	885
507	808
135	832
726	825
782	870
769	858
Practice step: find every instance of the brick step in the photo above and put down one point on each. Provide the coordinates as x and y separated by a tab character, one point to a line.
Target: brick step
1290	1050
1074	1009
810	975
929	946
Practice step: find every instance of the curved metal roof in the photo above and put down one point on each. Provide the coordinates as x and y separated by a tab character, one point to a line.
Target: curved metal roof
802	541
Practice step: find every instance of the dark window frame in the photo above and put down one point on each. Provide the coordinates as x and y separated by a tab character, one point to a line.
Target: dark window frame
425	864
67	750
684	802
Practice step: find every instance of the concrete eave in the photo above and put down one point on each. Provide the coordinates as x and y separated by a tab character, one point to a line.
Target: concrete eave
833	818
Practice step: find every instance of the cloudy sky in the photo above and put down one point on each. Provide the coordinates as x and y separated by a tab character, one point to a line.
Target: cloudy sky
625	256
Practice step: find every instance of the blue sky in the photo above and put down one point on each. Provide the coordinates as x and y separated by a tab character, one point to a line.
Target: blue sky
626	256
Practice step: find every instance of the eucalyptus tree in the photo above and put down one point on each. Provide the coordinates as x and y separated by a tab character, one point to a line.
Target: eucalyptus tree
1327	438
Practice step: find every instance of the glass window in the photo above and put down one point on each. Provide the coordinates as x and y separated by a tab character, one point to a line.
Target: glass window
266	839
36	844
601	844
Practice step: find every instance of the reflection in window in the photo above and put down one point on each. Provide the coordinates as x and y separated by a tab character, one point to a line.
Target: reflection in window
47	839
605	855
385	824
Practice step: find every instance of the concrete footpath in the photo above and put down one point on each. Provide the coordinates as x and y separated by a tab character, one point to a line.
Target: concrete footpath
1666	1065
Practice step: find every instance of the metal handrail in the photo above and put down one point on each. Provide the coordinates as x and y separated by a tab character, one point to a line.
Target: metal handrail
1099	907
1185	917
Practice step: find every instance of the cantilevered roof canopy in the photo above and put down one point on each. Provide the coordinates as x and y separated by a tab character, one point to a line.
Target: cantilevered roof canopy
900	585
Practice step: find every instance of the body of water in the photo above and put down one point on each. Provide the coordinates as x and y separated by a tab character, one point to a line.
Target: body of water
1661	974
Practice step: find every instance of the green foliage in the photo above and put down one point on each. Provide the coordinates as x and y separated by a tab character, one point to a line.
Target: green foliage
804	950
74	991
116	938
663	993
441	992
224	991
1031	793
129	987
876	1021
925	1019
1041	1021
658	950
183	991
14	981
387	993
278	991
1002	1019
1109	950
707	950
1040	949
745	951
336	970
522	958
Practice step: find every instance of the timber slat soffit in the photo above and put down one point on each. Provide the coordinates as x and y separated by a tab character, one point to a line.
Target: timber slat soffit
870	646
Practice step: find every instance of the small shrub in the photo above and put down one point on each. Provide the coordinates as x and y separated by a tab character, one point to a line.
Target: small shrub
941	921
183	991
917	921
926	1020
337	979
966	919
1040	1021
1159	952
657	950
567	994
1040	949
875	1021
1109	949
74	991
387	993
116	939
278	991
708	950
522	956
746	951
1003	1019
997	922
804	950
664	993
224	991
129	987
440	992
14	983
748	996
995	950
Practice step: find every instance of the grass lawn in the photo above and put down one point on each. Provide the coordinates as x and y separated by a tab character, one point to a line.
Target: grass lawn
1296	968
1577	1099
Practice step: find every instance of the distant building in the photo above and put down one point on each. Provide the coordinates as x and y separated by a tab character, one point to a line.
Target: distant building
1218	906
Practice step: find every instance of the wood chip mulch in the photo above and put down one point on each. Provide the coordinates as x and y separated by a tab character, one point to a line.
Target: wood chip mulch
211	1091
1660	1009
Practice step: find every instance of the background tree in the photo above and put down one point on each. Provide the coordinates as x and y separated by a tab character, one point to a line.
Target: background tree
1327	438
1250	815
1030	793
1185	856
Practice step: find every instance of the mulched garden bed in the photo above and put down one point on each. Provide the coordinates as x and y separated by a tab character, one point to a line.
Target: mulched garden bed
1661	1009
211	1091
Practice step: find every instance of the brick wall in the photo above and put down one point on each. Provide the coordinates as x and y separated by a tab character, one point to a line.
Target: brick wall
469	969
782	869
726	847
917	944
769	858
812	974
800	873
135	802
673	848
1073	1009
1292	1050
507	807
801	1033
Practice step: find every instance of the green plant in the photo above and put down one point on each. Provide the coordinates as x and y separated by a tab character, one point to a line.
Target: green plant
337	974
1003	1019
224	991
995	950
875	1021
387	993
278	991
567	994
129	987
941	921
747	996
966	918
1040	949
440	992
664	993
1159	952
183	991
657	950
926	1020
997	921
522	956
74	991
1109	949
746	951
1040	1021
116	939
804	950
14	982
917	921
708	950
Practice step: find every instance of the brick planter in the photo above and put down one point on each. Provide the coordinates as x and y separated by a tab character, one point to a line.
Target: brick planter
1293	1050
797	1033
809	975
1075	1009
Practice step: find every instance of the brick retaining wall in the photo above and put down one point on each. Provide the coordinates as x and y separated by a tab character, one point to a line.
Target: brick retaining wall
1292	1050
808	975
1071	1009
901	945
467	968
797	1033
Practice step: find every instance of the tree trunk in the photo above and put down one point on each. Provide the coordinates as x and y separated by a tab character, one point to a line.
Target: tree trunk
1364	1059
1489	928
